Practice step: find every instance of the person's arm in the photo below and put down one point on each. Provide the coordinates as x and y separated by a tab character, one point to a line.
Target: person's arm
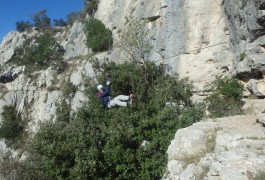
106	92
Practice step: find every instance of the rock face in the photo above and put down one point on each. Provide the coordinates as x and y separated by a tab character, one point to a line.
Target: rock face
198	39
37	95
225	148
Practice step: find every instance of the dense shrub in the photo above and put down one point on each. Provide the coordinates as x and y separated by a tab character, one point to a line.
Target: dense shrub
226	98
59	22
12	125
43	53
72	17
41	20
91	7
13	168
230	88
135	40
99	38
22	26
118	143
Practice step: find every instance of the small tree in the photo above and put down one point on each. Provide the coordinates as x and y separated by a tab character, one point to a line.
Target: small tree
23	26
135	41
41	20
43	53
91	7
72	17
11	126
59	22
99	38
226	98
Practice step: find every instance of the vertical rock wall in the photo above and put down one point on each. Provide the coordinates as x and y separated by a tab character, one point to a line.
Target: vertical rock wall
198	39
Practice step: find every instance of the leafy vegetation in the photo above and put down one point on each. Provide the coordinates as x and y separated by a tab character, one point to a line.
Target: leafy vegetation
43	53
242	56
118	143
260	175
99	38
135	41
226	98
72	17
22	26
12	125
41	20
91	7
59	22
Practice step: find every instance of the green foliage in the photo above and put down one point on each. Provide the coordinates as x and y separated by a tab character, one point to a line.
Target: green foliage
91	7
12	125
230	88
226	98
22	26
43	53
63	111
12	168
135	41
118	143
260	175
242	56
72	17
99	38
41	20
59	22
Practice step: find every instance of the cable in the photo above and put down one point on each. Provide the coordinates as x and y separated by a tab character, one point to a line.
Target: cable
153	61
192	51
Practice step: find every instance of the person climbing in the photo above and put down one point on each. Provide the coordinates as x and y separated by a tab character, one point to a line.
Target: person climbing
107	100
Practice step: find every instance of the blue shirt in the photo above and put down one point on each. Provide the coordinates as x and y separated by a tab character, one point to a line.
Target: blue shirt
105	97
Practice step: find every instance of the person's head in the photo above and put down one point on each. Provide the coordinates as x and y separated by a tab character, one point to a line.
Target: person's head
100	90
100	87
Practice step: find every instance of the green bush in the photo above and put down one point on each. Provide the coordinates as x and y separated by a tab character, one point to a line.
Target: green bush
59	22
242	56
260	175
12	125
72	17
43	53
99	38
226	98
22	26
118	143
91	7
230	88
41	20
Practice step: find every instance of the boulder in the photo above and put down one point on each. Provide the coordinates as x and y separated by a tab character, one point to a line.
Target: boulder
225	148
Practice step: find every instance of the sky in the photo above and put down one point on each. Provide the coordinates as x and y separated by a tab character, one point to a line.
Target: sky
12	11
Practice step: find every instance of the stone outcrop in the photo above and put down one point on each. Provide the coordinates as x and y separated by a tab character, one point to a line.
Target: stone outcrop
74	42
198	39
10	42
225	148
38	94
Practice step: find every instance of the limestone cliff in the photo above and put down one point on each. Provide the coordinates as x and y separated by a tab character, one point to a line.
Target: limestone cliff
198	39
225	148
36	95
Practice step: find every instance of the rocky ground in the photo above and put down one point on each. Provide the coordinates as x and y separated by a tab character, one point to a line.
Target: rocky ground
220	149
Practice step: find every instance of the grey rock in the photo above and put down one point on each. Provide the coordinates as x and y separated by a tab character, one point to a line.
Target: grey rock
261	119
237	150
74	42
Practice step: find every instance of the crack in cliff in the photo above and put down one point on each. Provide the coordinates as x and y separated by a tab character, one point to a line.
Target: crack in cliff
152	18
